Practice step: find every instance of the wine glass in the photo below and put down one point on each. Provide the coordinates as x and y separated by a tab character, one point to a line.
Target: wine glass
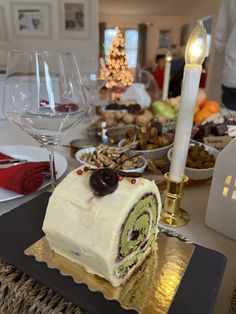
44	96
93	84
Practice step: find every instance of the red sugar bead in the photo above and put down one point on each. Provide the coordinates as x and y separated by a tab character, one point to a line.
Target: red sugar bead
120	178
79	172
133	181
98	165
86	168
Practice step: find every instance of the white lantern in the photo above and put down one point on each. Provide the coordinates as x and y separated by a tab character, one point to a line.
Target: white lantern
221	209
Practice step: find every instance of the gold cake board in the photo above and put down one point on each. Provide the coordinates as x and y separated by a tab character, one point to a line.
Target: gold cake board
150	290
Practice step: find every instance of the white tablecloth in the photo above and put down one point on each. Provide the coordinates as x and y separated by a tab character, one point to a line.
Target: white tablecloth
195	201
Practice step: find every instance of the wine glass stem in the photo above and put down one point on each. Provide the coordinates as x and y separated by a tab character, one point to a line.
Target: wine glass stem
52	167
93	111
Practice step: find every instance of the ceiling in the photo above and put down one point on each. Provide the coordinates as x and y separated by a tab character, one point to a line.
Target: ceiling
148	7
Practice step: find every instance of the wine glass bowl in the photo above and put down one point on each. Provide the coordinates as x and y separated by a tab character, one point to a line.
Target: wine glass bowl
93	84
44	95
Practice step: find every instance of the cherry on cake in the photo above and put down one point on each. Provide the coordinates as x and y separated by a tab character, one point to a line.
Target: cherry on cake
104	222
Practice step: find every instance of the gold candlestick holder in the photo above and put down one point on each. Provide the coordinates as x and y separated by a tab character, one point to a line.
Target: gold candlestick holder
172	215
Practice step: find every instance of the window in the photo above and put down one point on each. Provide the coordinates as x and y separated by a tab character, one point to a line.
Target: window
108	38
164	39
131	44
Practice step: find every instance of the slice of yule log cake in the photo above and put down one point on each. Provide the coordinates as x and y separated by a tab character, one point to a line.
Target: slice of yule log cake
103	221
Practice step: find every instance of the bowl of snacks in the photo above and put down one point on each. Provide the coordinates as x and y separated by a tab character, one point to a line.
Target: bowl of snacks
115	134
147	141
111	157
200	161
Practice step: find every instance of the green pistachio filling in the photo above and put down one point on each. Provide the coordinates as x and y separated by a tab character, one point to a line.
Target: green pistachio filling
138	233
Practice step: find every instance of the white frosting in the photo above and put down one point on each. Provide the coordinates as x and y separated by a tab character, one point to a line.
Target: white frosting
77	221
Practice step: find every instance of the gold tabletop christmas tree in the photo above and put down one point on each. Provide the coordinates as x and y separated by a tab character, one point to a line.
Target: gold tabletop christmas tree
117	71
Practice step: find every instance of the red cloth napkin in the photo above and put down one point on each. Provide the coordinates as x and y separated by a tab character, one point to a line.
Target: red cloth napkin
23	178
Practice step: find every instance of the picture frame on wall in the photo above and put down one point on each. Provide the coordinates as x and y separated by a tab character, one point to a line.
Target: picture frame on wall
3	28
75	18
184	32
165	38
31	19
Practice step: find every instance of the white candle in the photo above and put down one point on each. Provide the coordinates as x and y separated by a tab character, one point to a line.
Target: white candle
184	125
194	56
104	136
167	76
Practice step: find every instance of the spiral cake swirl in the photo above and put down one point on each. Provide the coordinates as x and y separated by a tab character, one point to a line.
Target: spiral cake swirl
138	233
108	235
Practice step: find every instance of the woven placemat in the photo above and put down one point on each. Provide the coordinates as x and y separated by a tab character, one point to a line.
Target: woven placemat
20	294
233	303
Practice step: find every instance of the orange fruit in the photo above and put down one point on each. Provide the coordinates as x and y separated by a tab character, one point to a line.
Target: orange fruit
197	108
202	115
201	101
212	106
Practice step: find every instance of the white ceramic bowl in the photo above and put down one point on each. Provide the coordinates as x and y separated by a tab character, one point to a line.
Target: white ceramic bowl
148	153
88	150
198	174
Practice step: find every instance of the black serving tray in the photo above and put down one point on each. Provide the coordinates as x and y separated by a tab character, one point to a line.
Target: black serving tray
21	227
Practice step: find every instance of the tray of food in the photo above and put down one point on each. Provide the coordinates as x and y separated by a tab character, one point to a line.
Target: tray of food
126	105
217	130
114	133
118	122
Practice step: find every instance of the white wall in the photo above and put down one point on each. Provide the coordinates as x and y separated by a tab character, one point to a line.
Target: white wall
210	8
155	24
84	48
216	64
207	9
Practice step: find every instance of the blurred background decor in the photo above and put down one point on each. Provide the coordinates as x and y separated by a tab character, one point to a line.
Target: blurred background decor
184	34
3	27
31	19
75	17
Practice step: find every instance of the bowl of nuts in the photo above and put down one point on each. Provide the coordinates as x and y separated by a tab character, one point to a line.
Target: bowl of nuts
111	157
147	142
200	160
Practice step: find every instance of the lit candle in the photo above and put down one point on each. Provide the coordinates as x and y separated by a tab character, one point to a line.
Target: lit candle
167	76
194	56
104	136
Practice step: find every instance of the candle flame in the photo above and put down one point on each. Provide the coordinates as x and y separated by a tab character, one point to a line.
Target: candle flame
197	45
168	56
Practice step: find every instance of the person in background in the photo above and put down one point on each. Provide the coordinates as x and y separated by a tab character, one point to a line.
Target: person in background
204	74
176	76
159	70
225	42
